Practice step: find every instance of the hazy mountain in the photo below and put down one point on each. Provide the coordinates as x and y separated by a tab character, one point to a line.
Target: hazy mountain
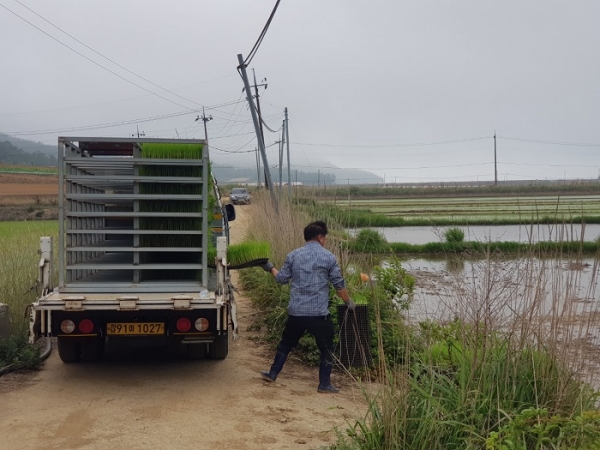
22	151
311	177
30	146
11	154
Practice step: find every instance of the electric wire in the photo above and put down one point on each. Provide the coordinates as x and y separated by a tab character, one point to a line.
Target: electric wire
416	144
262	35
95	62
574	144
106	57
111	124
95	127
269	128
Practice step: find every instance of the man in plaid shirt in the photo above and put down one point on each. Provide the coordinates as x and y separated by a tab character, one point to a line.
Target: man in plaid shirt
310	269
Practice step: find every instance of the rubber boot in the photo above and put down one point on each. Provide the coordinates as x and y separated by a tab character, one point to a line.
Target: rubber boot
278	363
325	386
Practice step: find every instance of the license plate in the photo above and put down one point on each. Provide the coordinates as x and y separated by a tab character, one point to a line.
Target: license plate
135	328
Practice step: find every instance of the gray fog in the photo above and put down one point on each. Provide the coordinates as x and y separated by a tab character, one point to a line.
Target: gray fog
409	90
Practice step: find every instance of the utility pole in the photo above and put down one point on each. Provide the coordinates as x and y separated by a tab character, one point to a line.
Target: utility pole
261	143
138	132
495	162
287	141
204	119
260	121
257	168
281	143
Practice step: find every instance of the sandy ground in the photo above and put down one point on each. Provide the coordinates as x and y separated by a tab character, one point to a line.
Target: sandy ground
141	398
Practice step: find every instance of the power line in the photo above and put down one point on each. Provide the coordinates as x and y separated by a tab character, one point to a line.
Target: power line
262	35
107	102
97	63
417	144
106	57
575	144
94	127
113	124
269	128
396	168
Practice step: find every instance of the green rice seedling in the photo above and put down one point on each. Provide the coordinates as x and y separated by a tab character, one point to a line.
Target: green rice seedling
183	152
246	252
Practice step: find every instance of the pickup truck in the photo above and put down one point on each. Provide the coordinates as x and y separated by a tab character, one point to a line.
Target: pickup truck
137	220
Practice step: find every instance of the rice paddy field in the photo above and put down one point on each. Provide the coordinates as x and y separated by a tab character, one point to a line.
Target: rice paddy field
479	209
20	242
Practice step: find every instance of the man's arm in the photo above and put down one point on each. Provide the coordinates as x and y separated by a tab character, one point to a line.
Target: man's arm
343	294
284	275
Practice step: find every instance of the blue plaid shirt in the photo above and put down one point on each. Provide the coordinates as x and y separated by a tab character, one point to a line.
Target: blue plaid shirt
310	268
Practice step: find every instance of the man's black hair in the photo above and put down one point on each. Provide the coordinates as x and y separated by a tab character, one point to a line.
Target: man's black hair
312	230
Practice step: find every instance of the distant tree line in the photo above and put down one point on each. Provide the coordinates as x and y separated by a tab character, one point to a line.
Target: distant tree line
225	174
10	154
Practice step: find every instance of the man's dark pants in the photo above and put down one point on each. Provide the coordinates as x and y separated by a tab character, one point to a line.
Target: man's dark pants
321	327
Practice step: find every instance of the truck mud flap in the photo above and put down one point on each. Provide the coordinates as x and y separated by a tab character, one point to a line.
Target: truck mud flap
233	312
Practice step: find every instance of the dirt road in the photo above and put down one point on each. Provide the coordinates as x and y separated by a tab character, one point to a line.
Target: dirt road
140	398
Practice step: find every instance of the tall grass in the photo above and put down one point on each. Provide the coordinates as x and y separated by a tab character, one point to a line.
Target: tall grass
510	343
507	363
20	243
284	230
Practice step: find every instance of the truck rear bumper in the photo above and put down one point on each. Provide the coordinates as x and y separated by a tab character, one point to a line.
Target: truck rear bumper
57	301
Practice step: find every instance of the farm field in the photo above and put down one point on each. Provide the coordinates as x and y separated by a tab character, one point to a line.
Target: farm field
27	196
480	209
20	242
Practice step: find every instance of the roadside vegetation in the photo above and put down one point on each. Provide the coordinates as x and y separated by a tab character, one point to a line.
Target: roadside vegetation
29	169
18	268
505	366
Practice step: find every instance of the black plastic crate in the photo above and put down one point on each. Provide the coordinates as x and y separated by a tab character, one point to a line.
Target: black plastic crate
355	336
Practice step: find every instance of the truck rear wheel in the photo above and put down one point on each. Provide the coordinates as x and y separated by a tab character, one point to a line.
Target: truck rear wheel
69	349
220	347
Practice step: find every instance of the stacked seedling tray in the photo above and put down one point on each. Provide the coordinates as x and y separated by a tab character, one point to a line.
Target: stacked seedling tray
133	215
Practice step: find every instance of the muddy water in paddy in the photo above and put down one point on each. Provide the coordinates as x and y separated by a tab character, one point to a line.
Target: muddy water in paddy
485	233
550	292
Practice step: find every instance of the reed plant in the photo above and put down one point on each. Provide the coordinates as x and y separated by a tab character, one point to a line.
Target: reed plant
506	365
386	298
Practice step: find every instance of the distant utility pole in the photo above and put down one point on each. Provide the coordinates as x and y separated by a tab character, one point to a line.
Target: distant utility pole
495	162
142	134
287	141
257	167
261	143
280	161
204	119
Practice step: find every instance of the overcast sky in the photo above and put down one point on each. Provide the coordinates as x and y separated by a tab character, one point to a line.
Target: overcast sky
366	82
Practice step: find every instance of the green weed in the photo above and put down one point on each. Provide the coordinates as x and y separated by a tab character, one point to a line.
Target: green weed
18	353
454	235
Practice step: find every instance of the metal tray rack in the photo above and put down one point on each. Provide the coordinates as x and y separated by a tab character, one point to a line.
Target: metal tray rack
103	243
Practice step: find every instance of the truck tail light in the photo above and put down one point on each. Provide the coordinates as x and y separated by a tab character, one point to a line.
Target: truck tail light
86	326
183	324
67	326
201	324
